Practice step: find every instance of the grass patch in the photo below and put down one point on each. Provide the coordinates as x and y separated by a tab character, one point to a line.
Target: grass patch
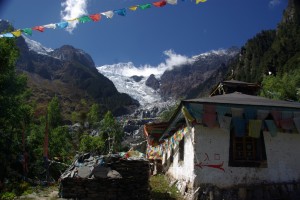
160	189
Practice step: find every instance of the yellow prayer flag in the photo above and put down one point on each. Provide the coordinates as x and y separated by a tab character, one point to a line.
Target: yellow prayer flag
186	114
199	1
17	33
133	8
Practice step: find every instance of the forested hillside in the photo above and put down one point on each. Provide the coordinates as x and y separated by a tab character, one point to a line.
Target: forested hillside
272	58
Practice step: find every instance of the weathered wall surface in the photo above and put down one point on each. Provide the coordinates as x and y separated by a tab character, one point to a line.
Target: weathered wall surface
181	170
212	158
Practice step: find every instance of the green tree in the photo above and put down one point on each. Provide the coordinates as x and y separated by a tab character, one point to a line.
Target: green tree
111	132
12	98
93	144
282	87
54	113
94	114
60	143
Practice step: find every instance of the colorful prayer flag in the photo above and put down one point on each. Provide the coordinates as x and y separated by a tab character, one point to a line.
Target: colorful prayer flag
160	3
95	17
121	12
8	35
62	24
84	19
145	6
108	14
255	128
133	8
27	31
39	28
16	33
173	2
200	1
53	26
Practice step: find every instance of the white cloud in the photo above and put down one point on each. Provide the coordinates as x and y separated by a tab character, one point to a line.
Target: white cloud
71	10
274	3
170	62
128	69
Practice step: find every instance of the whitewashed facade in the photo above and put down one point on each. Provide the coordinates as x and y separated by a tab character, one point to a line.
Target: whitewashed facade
208	154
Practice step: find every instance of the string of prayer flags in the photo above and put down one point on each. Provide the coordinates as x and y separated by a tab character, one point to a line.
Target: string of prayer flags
94	17
156	152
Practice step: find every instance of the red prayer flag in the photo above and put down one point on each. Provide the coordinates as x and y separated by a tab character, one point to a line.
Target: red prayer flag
160	3
39	28
95	17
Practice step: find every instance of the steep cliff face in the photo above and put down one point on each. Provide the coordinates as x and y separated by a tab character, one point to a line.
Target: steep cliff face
183	79
152	82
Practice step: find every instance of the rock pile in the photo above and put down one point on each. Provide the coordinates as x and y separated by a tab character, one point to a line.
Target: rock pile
112	177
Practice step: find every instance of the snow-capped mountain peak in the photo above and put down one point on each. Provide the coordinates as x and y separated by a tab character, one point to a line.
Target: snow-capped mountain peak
37	47
123	75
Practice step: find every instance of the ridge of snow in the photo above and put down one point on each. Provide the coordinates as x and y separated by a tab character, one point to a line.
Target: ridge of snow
219	52
37	47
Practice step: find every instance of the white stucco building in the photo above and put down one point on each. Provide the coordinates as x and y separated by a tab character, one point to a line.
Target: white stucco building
232	139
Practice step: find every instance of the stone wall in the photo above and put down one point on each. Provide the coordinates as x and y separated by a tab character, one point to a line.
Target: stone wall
110	178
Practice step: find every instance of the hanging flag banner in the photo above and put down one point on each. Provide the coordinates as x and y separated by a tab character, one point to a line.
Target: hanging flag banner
121	12
84	19
145	6
156	152
88	18
39	28
159	3
108	14
133	8
200	1
95	17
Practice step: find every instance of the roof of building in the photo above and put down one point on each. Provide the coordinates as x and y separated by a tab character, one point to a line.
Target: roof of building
153	131
235	98
243	99
234	84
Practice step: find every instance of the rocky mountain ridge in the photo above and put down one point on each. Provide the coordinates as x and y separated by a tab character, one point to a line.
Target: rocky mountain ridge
70	74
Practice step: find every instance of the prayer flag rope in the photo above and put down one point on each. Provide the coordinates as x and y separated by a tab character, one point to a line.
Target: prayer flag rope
88	18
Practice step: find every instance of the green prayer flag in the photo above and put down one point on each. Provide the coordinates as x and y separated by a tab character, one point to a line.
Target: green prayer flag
145	6
84	19
27	31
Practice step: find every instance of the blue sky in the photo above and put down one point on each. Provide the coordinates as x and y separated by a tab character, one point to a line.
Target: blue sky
143	36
